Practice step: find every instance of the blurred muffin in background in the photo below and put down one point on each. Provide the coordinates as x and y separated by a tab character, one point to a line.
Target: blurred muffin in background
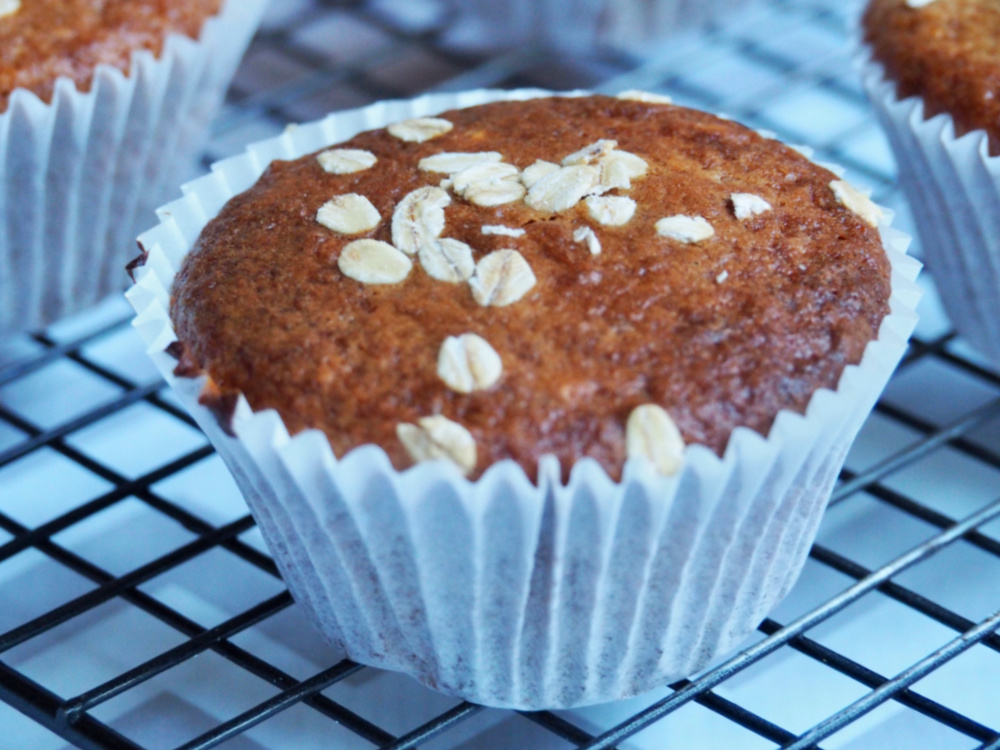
104	107
932	72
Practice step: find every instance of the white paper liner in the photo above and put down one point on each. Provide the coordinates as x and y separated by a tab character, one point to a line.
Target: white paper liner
953	187
500	591
632	26
82	175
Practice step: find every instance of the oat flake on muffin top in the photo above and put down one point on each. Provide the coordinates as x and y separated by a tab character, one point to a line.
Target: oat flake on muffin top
572	276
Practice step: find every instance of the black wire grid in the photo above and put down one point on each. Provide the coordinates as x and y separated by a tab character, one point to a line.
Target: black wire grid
312	57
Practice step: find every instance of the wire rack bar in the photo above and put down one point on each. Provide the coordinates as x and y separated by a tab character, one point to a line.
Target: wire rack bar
278	703
71	709
855	671
116	587
435	727
892	688
42	705
775	641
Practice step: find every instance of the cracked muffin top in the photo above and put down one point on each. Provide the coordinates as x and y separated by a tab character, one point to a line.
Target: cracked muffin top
585	277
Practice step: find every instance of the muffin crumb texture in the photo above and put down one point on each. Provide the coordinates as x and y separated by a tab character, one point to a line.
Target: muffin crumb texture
946	52
584	277
44	40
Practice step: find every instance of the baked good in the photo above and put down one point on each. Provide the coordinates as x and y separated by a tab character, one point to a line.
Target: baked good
104	106
932	72
721	331
44	40
945	52
530	583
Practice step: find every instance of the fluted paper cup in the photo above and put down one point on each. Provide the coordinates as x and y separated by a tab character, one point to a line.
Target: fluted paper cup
81	176
633	26
953	187
504	591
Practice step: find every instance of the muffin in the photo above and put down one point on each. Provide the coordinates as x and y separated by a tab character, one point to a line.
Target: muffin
612	350
932	72
103	108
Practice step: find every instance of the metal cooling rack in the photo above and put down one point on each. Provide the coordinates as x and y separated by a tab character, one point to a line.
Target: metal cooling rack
139	608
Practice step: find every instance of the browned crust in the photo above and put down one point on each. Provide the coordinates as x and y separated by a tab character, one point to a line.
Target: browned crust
947	53
49	39
264	308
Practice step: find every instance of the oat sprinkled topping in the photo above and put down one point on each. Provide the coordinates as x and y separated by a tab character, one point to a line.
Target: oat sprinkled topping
348	214
9	7
589	154
501	278
438	437
918	3
538	170
419	129
447	260
419	218
500	229
489	184
589	236
563	188
468	363
854	200
648	97
650	433
686	229
748	205
611	210
345	160
451	162
373	262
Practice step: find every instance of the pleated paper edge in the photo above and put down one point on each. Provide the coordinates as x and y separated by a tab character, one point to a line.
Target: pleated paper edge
182	220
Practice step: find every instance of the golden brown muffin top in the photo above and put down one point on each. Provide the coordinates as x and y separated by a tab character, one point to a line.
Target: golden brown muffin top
946	52
722	331
43	40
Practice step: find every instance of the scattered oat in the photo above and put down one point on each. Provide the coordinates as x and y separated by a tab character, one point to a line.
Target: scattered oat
346	160
450	162
612	210
918	3
500	229
419	129
650	433
686	229
419	218
589	154
447	259
588	235
439	438
766	134
373	262
854	200
8	7
748	205
348	214
619	168
501	278
468	363
563	188
538	170
649	97
489	184
722	277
